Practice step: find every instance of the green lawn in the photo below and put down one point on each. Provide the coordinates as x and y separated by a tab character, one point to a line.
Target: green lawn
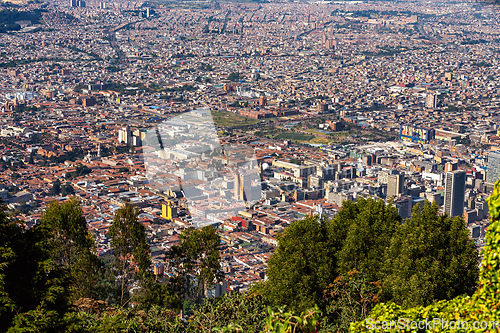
294	136
313	131
229	119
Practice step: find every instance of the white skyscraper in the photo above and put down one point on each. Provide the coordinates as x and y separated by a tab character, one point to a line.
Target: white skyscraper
125	135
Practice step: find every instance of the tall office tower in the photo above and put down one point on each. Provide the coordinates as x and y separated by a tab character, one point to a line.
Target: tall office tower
81	3
148	13
395	185
431	101
322	108
454	192
493	171
237	192
73	3
330	44
404	206
368	160
262	100
125	135
242	187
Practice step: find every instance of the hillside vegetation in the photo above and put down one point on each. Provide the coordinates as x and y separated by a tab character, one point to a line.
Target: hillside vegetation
325	275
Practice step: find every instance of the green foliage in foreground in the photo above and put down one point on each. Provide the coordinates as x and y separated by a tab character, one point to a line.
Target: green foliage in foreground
430	257
366	255
131	252
424	259
461	313
196	261
323	276
302	266
241	309
154	320
44	269
312	254
246	312
48	270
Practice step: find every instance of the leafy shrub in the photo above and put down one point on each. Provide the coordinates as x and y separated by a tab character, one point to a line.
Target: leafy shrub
244	311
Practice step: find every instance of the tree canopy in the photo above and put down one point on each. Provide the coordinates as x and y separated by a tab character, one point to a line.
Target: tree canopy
34	284
196	262
131	252
479	312
302	266
328	273
428	257
367	227
64	229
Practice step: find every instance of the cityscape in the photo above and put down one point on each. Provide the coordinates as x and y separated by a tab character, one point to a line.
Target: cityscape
247	116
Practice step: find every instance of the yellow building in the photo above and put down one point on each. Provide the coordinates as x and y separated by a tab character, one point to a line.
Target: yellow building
168	212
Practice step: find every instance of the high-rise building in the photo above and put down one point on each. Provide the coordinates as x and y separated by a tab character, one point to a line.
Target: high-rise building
168	211
242	187
404	206
431	101
73	3
459	128
454	192
368	160
125	135
329	43
322	107
89	101
493	171
395	185
238	189
159	269
262	100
